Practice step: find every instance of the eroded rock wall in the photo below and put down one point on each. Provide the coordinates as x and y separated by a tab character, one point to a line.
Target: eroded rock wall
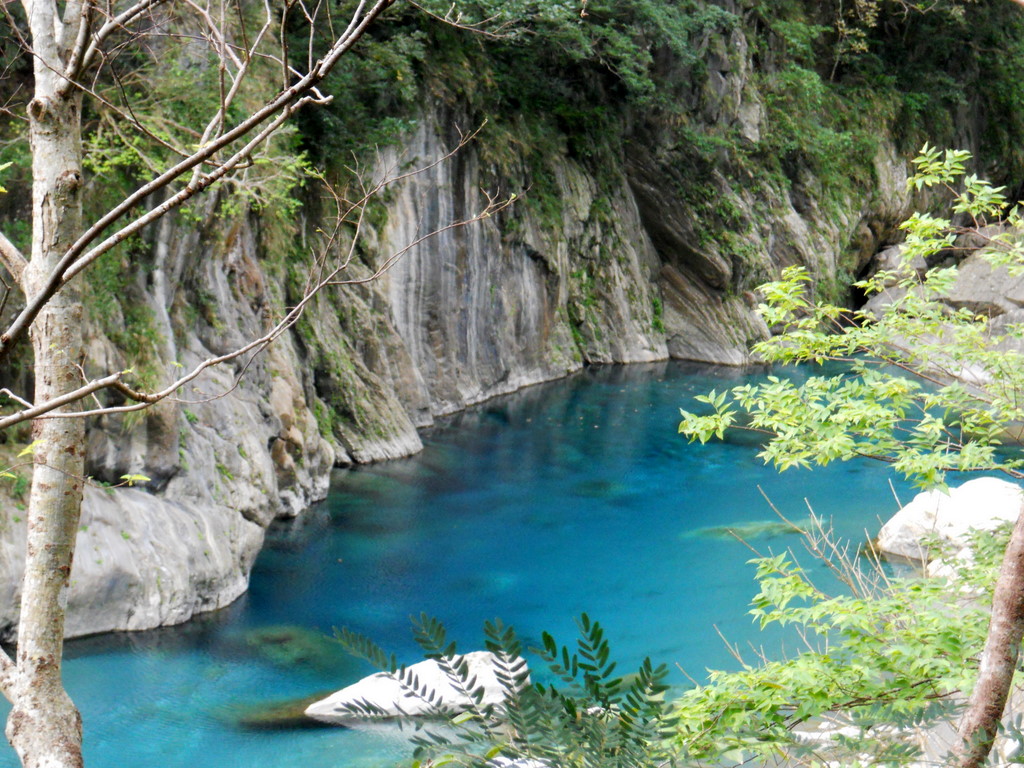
615	267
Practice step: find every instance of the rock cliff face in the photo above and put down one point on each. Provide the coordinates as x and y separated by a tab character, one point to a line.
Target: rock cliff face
596	270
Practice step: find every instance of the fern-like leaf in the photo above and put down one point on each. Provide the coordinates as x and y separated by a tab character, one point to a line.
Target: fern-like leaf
364	648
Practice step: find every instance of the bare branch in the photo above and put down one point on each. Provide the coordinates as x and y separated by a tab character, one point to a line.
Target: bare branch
454	19
493	206
15	397
351	35
12	258
64	272
225	50
128	114
13	26
318	282
8	673
183	195
51	405
84	10
275	110
114	24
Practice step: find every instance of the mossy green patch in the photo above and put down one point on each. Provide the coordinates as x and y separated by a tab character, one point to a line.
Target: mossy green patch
289	714
750	530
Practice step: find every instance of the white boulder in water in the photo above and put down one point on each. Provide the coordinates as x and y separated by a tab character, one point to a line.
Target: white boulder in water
383	695
981	504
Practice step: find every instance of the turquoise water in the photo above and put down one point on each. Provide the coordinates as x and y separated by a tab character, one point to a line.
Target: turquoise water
566	497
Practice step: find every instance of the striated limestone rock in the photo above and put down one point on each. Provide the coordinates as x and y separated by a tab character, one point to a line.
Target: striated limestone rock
235	454
513	300
694	322
144	562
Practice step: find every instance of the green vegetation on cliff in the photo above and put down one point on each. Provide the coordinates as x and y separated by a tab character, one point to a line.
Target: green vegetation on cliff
742	111
833	79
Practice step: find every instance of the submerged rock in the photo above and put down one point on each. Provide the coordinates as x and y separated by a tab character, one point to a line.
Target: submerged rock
427	691
598	489
291	646
276	715
754	529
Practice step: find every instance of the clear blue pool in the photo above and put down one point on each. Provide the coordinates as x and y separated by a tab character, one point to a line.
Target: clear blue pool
566	497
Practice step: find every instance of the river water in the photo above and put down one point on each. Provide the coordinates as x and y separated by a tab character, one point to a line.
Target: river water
572	496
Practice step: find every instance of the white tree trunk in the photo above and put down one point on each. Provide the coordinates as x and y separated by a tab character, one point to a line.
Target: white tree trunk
44	726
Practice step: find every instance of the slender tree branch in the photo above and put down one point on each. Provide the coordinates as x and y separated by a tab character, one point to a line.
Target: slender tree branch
220	118
8	672
182	196
493	206
115	23
144	400
281	105
316	285
12	258
15	397
13	26
83	9
454	19
128	114
51	405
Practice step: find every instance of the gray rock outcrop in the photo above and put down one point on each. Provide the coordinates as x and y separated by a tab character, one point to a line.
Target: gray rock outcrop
231	455
979	287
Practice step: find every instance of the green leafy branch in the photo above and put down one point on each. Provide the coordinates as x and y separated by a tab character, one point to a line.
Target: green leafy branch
896	654
923	385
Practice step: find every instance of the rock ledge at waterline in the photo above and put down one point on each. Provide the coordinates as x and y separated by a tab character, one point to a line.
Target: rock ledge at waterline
937	517
383	696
